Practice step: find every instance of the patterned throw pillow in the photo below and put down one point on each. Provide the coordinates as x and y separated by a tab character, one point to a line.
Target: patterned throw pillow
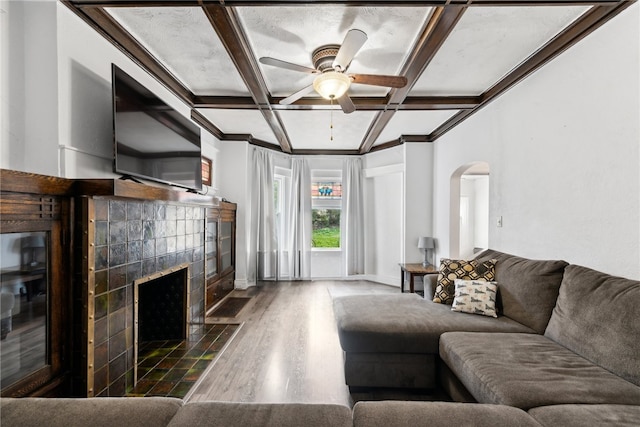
452	269
475	297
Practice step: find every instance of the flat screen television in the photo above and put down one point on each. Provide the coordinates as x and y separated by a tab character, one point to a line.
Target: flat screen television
151	140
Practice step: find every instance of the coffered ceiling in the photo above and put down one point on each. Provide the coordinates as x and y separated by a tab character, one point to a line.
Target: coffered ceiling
457	56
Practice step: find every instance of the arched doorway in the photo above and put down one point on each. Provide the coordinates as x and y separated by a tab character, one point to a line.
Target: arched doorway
469	210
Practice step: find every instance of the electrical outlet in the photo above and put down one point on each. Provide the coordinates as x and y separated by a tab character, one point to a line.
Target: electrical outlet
499	221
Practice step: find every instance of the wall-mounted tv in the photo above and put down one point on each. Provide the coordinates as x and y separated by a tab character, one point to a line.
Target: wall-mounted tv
151	140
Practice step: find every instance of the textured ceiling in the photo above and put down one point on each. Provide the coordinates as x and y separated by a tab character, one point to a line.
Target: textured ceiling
457	56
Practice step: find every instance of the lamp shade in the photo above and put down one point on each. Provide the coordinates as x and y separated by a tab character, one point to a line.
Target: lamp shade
33	242
426	243
331	85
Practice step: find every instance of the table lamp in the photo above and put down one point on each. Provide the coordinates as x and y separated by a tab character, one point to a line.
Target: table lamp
426	243
32	244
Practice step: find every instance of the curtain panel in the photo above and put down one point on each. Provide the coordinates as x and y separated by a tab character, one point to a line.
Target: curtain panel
299	226
263	245
352	217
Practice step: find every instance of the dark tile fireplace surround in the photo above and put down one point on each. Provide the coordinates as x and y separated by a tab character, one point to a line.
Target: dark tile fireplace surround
107	238
135	239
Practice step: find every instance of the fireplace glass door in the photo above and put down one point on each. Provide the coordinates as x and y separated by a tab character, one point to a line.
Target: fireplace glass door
24	306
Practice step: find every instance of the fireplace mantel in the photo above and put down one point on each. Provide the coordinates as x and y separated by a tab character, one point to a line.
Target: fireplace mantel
25	182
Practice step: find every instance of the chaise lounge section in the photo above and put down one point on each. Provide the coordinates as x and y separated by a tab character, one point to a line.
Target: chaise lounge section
393	340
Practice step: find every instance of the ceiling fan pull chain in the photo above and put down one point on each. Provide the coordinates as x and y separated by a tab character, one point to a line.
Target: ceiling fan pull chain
331	124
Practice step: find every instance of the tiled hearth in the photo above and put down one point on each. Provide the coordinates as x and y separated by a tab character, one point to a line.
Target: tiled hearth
172	368
135	239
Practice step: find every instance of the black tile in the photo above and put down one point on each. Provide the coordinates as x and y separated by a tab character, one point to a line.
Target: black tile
172	212
101	209
102	233
134	251
117	210
101	380
161	229
149	248
134	210
148	230
180	212
134	230
101	281
149	211
117	321
101	257
101	330
101	305
117	299
161	211
117	254
117	347
117	277
118	387
101	355
148	267
117	367
134	271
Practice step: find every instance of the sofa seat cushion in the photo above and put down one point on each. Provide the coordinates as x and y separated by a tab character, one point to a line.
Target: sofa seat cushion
527	288
435	414
224	414
529	370
98	411
597	317
587	415
405	323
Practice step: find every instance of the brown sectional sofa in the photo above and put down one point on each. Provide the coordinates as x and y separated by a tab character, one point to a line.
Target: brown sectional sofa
566	335
171	412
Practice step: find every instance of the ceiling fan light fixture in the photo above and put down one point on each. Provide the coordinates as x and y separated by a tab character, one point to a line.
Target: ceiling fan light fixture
332	85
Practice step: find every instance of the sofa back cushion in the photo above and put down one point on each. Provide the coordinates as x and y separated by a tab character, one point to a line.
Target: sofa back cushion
527	288
598	317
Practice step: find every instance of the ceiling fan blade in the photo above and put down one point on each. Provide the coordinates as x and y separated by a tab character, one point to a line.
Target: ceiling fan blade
379	80
346	104
287	65
295	96
352	43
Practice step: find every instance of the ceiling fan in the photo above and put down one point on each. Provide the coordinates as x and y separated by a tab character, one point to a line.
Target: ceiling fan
331	63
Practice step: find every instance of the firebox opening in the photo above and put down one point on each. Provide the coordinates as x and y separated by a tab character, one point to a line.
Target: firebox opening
162	306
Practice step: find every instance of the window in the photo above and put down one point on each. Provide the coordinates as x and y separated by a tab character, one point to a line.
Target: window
326	201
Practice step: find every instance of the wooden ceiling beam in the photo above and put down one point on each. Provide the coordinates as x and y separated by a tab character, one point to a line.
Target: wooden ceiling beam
440	24
361	103
227	26
408	3
583	26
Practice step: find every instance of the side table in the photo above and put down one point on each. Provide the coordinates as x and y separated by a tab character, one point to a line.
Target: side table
414	270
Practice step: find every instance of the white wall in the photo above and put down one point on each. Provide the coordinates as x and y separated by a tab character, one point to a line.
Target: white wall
563	151
28	87
418	196
56	93
233	169
398	208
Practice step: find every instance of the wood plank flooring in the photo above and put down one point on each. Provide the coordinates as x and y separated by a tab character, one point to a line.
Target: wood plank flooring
288	349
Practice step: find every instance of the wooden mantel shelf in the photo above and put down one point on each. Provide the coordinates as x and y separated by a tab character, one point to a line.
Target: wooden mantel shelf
25	182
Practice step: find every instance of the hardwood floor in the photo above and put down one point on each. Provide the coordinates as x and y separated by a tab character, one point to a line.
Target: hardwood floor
288	349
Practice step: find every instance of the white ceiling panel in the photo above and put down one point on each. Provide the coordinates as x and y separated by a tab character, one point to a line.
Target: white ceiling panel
240	121
311	129
293	33
413	123
487	43
185	42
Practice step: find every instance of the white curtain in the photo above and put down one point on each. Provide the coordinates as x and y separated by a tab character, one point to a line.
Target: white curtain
352	217
263	245
299	241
